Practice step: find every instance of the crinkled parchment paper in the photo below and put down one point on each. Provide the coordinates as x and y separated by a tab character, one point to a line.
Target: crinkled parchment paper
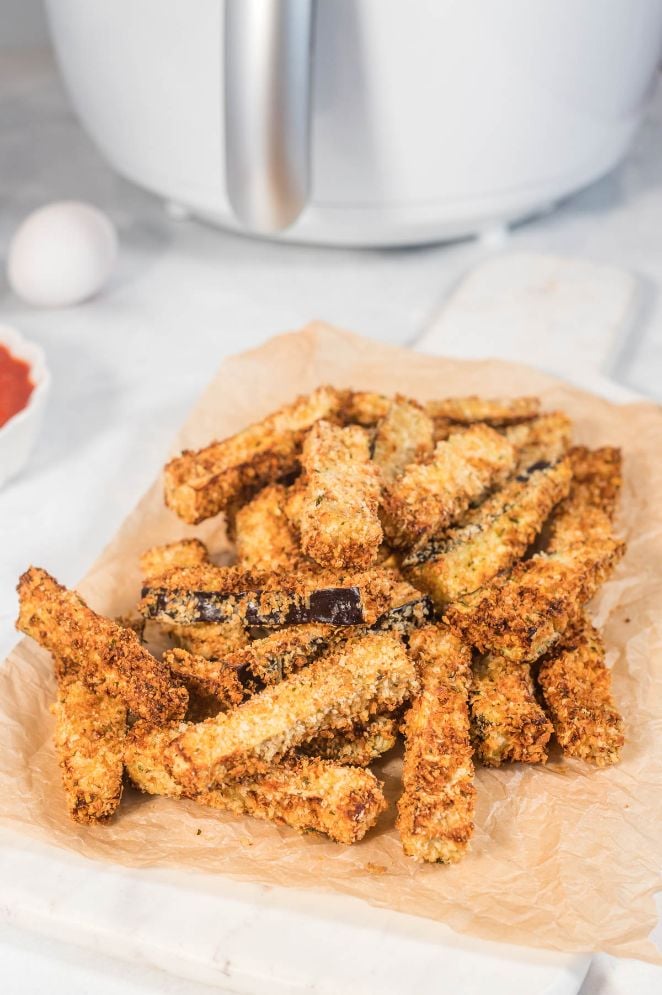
564	856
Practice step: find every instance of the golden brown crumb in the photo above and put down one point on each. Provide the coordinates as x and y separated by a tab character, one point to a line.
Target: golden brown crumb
493	411
106	653
265	540
597	477
90	729
576	686
522	615
405	435
431	495
213	640
183	553
305	794
339	521
435	811
283	652
507	723
359	746
491	538
366	675
202	483
214	679
546	438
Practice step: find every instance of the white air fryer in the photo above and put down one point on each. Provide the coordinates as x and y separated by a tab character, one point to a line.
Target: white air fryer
363	122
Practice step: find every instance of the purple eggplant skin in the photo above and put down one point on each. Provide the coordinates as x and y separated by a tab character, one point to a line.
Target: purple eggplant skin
339	606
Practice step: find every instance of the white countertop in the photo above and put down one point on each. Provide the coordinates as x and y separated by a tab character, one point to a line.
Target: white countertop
127	366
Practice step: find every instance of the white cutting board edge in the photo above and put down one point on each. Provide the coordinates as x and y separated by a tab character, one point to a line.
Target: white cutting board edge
285	941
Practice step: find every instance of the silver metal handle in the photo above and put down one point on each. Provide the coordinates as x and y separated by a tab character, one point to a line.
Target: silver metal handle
268	55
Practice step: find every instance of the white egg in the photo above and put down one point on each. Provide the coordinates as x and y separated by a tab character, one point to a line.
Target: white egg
62	254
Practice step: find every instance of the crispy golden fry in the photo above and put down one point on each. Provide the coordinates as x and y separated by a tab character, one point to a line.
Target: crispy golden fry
405	435
283	652
359	746
306	794
492	536
545	439
200	484
363	407
265	540
106	653
213	640
522	615
218	594
576	686
183	553
207	639
435	811
507	723
597	477
366	675
368	408
430	496
213	679
90	729
493	411
339	521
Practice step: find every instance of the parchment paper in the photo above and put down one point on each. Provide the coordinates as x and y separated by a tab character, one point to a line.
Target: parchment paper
564	856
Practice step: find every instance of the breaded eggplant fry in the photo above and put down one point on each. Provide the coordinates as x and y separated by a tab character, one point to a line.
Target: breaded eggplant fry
106	653
522	615
213	640
596	477
281	653
183	553
218	594
203	483
545	439
431	495
492	536
208	639
339	521
435	811
404	436
368	408
367	675
359	746
263	535
215	679
493	411
90	729
507	723
576	686
200	594
363	407
305	794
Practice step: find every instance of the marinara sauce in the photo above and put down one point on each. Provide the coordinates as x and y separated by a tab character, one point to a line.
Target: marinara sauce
15	385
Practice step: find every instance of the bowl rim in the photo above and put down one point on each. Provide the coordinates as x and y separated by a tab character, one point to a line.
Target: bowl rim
34	356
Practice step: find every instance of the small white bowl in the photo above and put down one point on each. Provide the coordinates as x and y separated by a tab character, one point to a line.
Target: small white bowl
19	434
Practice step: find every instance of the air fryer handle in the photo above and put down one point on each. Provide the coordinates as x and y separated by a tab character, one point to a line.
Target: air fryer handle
268	47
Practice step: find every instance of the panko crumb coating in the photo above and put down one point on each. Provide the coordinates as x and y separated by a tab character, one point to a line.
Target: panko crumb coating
368	674
339	522
90	730
199	484
507	723
436	809
105	653
303	793
576	687
405	435
431	495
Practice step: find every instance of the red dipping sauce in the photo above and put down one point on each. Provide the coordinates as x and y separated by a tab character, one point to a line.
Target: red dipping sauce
15	385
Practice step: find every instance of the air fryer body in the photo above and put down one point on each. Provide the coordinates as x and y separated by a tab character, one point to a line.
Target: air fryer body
425	120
